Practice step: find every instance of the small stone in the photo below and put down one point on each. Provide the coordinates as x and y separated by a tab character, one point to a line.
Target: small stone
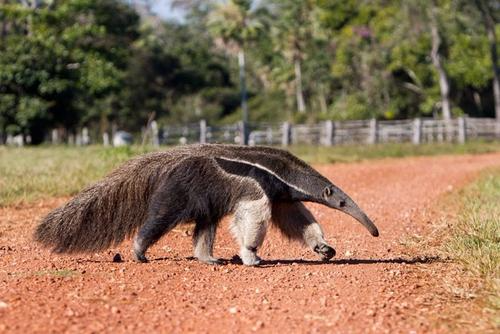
233	310
3	305
69	313
258	325
115	310
117	258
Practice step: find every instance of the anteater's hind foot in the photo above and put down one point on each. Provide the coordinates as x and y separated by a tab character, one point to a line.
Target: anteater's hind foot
203	241
140	250
140	258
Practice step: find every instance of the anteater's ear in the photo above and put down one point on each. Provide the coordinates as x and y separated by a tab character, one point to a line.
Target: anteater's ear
327	192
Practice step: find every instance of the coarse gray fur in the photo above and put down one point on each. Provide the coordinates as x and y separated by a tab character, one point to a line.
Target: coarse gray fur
153	193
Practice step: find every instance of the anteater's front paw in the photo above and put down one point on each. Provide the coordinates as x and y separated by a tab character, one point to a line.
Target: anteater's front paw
249	257
326	252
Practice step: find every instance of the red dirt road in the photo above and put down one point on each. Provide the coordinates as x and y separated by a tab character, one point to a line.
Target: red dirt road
372	285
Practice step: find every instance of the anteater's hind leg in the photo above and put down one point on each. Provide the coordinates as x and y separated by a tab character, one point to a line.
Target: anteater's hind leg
162	218
203	241
298	223
250	226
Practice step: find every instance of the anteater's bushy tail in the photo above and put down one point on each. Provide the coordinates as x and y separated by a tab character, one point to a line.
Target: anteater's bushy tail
107	212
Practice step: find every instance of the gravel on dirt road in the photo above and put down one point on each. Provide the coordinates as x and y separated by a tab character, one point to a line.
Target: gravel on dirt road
372	285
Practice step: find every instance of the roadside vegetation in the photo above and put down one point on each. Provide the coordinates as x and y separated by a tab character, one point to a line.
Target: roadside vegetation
475	240
33	173
29	174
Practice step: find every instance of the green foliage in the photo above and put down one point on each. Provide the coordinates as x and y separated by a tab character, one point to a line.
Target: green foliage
56	56
65	64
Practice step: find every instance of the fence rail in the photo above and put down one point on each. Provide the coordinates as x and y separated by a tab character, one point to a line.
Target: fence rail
417	131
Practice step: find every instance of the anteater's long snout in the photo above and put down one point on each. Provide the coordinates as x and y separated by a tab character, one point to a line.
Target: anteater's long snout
354	211
344	203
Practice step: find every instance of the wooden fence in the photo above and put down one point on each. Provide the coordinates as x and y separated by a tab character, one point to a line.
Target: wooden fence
418	130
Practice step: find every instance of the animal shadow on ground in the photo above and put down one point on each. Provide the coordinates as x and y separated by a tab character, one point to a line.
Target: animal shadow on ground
272	263
400	260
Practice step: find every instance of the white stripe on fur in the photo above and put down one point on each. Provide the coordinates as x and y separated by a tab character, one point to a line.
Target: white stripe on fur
268	171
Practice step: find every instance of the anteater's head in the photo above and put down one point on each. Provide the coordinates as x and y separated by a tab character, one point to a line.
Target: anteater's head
334	197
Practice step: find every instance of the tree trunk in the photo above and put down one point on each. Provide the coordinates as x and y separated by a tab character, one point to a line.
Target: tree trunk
301	106
322	100
3	29
436	61
489	24
243	88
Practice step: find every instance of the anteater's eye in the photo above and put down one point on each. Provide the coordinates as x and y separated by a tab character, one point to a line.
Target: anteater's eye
327	192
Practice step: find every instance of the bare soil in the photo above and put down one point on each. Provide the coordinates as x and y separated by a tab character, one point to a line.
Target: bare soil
381	285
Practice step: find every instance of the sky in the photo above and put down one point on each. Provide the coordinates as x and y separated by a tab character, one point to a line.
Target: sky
162	8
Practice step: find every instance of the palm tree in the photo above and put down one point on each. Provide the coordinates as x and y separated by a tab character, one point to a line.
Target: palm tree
292	34
235	24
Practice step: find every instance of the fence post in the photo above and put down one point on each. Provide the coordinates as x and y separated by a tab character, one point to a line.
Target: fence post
85	136
417	131
269	135
78	138
244	135
329	133
285	134
203	131
373	131
54	138
462	130
105	139
155	139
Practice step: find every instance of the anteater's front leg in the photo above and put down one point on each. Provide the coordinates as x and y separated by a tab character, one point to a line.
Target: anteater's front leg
298	223
250	226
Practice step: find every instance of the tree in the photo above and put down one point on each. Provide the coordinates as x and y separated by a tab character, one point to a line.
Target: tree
61	62
236	24
294	31
436	57
174	73
490	20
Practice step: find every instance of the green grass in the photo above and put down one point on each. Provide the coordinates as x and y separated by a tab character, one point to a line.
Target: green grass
33	173
475	241
323	154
